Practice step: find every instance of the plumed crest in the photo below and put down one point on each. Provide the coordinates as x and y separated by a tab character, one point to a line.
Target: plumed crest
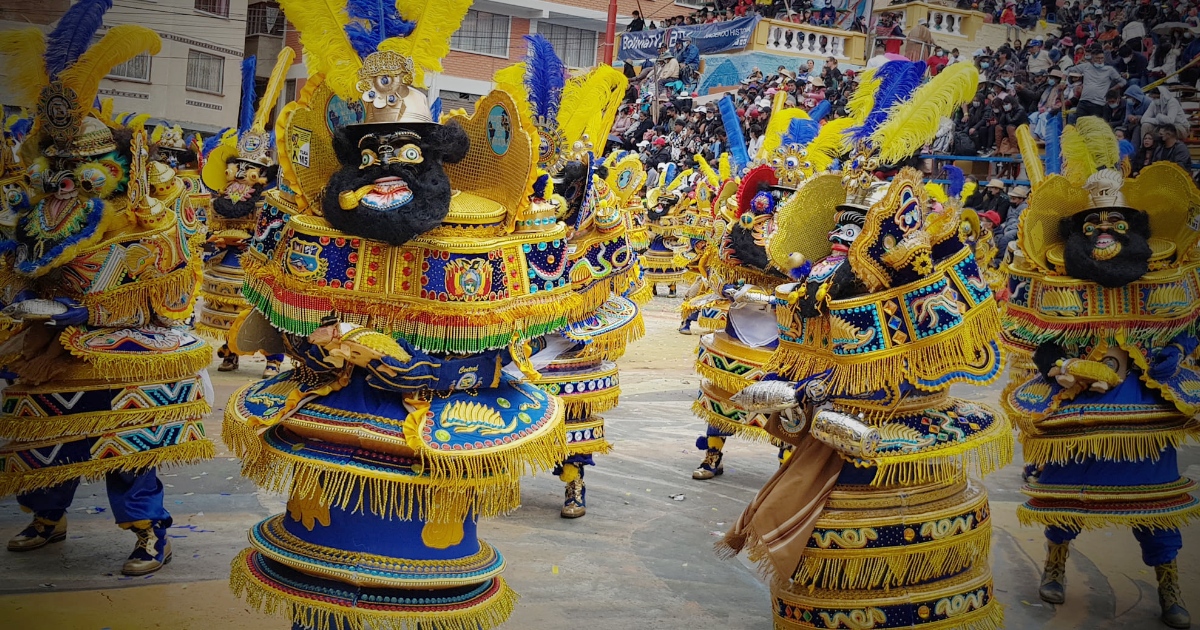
327	49
968	190
723	167
781	121
898	81
545	77
679	179
211	142
511	79
20	128
1100	139
821	111
801	131
705	169
590	103
73	35
22	52
1054	128
374	21
119	44
667	175
228	137
937	192
738	150
829	143
1077	156
1126	148
542	187
912	121
435	109
863	100
249	96
266	107
1030	155
436	21
957	180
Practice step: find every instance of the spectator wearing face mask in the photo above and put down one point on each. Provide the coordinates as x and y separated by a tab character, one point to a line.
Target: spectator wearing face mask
1049	104
1164	64
1038	59
980	124
1010	116
1170	149
1098	79
1164	109
1136	104
1114	113
937	61
1132	65
994	199
1008	229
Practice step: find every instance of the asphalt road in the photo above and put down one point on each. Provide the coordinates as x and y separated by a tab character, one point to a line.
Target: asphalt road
639	559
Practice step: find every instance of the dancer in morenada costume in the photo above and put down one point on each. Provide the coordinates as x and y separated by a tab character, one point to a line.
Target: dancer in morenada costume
627	179
404	265
240	168
578	364
99	272
740	303
1104	300
666	260
700	226
875	519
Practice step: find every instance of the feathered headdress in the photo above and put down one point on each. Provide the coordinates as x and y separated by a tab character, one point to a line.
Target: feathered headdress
378	51
738	149
60	73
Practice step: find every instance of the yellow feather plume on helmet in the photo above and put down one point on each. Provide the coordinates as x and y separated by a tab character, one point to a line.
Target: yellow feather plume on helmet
1030	155
776	127
710	175
913	123
25	72
590	103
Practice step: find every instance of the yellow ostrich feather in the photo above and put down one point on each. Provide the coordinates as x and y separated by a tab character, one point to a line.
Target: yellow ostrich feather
724	167
25	68
327	49
863	99
914	123
512	81
937	192
437	20
968	190
590	104
1100	141
266	105
679	179
119	44
1030	155
106	112
137	122
776	127
1078	162
714	180
830	142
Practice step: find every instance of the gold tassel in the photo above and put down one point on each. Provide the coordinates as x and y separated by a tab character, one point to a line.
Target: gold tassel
30	429
94	470
983	454
1138	444
721	423
321	614
142	366
1072	519
893	566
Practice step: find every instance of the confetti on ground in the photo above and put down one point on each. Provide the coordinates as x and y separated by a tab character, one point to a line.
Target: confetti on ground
554	569
678	497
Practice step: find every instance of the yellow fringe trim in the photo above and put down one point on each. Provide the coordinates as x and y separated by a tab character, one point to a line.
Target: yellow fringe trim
744	431
867	568
437	496
158	365
322	615
127	302
733	273
94	470
29	429
725	380
210	332
984	454
611	345
875	371
592	447
1070	519
990	617
643	294
1137	445
583	406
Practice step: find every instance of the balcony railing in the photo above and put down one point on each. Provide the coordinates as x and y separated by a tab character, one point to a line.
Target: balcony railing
805	40
943	20
264	18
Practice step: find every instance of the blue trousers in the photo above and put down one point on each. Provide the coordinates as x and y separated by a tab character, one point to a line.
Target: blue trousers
1159	546
134	496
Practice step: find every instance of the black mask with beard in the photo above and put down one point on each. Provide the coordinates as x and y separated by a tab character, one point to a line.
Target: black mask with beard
742	241
571	185
1110	247
661	209
246	205
175	158
395	170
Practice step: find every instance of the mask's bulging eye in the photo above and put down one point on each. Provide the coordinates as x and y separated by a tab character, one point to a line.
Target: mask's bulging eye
369	158
411	154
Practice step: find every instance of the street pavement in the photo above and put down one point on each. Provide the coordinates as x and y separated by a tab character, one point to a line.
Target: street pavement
639	559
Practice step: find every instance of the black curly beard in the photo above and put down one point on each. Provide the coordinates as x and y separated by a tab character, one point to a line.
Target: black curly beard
748	252
229	209
1131	263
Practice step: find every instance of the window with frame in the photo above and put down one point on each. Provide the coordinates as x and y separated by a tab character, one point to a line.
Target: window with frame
215	7
205	72
136	69
264	18
576	46
483	33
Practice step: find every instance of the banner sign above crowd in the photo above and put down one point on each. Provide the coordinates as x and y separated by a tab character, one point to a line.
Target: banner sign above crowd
709	38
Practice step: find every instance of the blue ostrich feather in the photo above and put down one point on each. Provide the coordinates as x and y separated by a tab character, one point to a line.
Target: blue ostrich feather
73	35
898	80
539	186
211	142
821	111
374	21
435	109
669	173
801	132
1126	148
957	180
246	115
21	128
545	77
738	152
1054	127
